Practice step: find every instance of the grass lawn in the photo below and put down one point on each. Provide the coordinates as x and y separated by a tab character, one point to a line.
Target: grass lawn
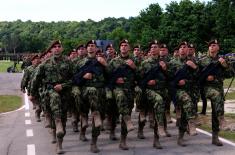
230	119
227	82
230	96
9	103
5	64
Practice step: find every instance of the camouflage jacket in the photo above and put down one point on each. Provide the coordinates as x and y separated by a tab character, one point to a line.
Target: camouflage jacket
55	70
160	77
98	76
221	71
129	77
25	82
177	65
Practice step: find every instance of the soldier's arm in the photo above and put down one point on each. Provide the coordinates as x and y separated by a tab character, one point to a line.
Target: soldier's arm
24	81
36	80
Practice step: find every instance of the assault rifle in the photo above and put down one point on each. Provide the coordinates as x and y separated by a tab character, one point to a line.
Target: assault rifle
153	73
213	69
121	71
91	66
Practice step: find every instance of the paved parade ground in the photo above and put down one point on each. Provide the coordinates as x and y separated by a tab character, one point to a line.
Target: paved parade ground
20	134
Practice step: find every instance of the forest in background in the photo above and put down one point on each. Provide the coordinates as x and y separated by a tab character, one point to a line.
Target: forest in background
193	21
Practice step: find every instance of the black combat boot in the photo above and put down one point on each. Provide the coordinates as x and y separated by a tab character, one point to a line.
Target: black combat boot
122	144
180	139
94	147
215	139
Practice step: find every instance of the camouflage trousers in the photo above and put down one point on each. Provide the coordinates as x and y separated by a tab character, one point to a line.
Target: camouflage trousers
57	105
93	99
125	102
76	102
216	95
185	104
155	101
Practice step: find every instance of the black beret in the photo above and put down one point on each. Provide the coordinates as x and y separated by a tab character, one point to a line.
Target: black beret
153	42
35	57
182	43
123	41
91	42
55	42
215	41
108	46
80	46
163	46
191	46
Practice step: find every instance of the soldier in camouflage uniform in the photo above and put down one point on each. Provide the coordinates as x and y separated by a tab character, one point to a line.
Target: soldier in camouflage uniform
139	99
75	56
123	84
90	77
56	75
111	110
195	86
213	87
26	82
183	70
164	56
154	84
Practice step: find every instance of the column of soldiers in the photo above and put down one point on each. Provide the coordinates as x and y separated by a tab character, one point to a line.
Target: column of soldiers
106	86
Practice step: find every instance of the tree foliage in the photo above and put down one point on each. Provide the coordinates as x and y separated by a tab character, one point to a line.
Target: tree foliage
192	21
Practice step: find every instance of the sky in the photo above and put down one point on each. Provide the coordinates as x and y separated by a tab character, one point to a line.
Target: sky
72	10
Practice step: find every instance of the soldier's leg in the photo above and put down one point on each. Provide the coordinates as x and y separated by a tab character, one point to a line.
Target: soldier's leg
124	110
156	142
187	112
56	108
204	101
217	105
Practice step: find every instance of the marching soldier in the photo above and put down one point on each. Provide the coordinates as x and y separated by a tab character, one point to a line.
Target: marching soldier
56	75
212	76
122	72
183	70
90	77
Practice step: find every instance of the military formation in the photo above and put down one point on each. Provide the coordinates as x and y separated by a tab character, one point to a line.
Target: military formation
106	85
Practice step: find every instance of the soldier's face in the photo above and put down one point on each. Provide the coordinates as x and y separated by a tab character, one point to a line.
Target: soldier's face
154	50
110	51
73	55
183	51
82	51
136	51
213	48
124	47
57	49
91	49
191	51
163	52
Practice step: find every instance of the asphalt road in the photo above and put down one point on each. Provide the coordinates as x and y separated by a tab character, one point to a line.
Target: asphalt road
20	134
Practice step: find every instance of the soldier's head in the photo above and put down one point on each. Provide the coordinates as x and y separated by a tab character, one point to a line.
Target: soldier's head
110	50
35	60
154	48
73	54
55	47
183	49
81	50
191	50
176	52
213	46
163	50
91	48
124	48
137	51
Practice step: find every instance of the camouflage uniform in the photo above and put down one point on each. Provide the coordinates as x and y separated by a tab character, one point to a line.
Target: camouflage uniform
215	92
57	70
155	94
183	96
123	95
